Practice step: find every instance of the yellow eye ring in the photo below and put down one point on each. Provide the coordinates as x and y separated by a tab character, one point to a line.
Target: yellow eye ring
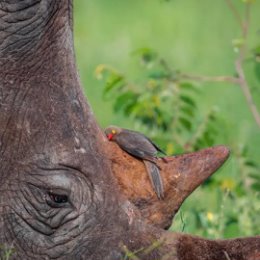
113	131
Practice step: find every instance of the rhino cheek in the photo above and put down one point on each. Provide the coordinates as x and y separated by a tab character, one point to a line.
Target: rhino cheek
34	226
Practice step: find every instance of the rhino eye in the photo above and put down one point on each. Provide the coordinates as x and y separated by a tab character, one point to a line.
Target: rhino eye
58	198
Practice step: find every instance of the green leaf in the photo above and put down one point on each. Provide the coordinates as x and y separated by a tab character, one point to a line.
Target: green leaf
208	138
124	100
158	75
256	50
238	42
257	70
251	164
147	55
112	82
186	123
256	186
188	100
244	151
212	116
189	86
231	229
130	108
255	176
99	71
187	110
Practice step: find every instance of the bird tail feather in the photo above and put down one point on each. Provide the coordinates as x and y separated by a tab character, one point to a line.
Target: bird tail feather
155	178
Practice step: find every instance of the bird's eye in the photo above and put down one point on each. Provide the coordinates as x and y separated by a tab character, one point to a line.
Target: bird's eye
58	198
113	131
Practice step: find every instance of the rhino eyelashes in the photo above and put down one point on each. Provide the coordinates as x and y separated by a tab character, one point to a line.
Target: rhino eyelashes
58	198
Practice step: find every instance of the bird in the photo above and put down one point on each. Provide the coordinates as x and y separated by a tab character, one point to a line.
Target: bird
141	147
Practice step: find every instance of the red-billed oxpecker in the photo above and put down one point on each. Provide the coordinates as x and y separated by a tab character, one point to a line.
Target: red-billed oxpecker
141	147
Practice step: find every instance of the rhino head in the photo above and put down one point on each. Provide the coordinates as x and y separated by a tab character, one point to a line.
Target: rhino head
65	193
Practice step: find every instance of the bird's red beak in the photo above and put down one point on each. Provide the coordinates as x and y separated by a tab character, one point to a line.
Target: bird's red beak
110	136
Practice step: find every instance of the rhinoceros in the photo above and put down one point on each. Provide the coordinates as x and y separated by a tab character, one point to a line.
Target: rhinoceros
65	192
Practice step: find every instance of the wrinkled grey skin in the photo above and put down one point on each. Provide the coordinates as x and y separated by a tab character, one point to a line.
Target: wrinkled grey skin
49	144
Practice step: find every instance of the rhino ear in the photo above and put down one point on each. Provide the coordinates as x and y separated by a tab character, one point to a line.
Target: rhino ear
181	175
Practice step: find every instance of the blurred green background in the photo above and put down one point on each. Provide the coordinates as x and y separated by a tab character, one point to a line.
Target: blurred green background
194	37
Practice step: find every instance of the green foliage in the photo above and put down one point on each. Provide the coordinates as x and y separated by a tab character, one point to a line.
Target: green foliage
249	170
144	251
167	104
6	252
234	215
161	101
151	94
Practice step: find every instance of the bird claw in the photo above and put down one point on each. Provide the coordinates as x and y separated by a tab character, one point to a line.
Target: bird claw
166	159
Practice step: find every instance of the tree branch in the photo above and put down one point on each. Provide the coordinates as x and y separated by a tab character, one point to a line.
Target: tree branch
203	78
235	13
240	71
241	79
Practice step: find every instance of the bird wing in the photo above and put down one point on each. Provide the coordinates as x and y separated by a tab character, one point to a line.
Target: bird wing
147	138
155	145
136	144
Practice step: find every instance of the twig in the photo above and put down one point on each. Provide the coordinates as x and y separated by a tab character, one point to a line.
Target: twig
235	13
228	79
240	71
199	131
226	255
182	221
246	91
241	79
